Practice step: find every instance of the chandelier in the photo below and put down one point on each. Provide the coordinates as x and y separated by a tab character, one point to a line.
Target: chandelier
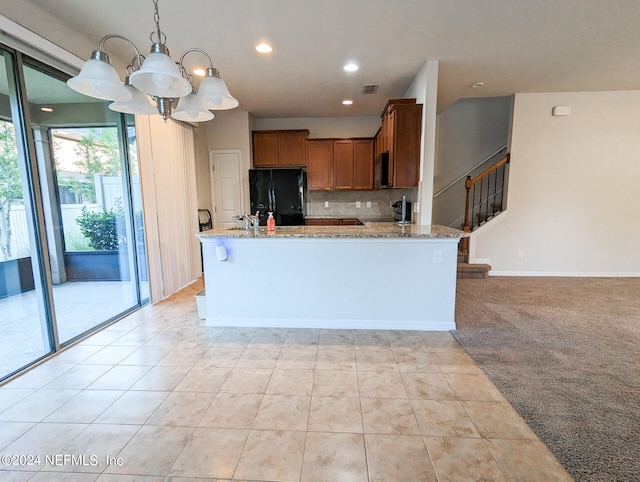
156	76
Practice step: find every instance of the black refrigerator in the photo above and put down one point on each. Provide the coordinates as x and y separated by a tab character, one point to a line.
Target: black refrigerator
280	191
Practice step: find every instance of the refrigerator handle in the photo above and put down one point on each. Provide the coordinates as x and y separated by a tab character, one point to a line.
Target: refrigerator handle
269	195
273	198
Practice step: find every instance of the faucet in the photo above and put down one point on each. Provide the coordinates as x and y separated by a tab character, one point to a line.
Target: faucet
250	220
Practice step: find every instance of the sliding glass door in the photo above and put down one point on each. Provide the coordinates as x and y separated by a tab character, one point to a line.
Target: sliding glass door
79	162
25	334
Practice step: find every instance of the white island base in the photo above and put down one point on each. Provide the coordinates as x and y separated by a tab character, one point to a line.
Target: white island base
346	283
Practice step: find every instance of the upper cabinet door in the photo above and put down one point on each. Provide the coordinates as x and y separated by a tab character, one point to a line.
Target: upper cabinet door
363	164
401	127
343	164
265	149
319	165
407	134
292	148
280	148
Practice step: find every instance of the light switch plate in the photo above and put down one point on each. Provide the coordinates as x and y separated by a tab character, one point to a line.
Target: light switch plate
369	204
357	204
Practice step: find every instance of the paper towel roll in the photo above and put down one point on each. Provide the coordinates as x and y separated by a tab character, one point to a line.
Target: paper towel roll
221	253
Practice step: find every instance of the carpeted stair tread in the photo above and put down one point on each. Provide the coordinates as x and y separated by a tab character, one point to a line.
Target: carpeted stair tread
473	271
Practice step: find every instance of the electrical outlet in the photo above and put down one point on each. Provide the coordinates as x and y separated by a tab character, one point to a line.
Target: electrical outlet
437	256
520	254
368	204
357	204
326	204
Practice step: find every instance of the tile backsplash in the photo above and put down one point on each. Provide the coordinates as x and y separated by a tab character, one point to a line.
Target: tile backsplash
343	203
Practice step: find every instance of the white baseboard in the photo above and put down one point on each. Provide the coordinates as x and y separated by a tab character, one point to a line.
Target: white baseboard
565	274
333	324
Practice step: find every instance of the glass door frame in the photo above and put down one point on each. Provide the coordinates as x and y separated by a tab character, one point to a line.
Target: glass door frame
35	209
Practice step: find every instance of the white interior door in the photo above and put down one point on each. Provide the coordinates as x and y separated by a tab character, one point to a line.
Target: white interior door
226	186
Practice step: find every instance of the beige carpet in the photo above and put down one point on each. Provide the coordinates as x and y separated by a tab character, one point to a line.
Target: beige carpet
566	353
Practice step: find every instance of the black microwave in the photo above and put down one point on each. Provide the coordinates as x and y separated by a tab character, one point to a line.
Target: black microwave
381	176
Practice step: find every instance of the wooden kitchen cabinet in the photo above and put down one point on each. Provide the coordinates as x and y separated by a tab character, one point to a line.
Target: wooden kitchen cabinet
363	164
319	155
293	148
280	148
377	142
322	222
340	164
265	149
399	135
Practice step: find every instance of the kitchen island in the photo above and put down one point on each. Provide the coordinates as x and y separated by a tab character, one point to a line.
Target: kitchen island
376	276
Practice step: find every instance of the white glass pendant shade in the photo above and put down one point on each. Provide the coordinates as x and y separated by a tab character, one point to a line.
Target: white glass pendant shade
190	109
215	94
159	76
138	104
100	80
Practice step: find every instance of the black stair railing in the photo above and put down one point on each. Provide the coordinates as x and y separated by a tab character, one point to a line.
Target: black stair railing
484	197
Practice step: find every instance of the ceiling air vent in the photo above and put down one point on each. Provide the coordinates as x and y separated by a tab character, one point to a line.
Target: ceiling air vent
370	89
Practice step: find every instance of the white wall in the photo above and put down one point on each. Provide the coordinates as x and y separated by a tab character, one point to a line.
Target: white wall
22	20
424	88
203	177
231	130
467	132
573	195
324	127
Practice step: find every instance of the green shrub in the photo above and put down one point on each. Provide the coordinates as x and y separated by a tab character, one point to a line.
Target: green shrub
103	228
76	242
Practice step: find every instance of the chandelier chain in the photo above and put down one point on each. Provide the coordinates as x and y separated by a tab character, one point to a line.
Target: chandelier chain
156	18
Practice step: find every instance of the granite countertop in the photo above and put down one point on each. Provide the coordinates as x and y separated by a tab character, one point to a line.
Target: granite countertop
369	230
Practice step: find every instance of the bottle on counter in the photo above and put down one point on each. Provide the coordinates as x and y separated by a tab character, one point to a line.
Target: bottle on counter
271	223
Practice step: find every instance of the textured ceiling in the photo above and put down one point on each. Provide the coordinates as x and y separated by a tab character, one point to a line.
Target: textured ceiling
510	45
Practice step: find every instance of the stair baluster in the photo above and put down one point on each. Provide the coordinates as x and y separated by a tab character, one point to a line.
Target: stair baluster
474	208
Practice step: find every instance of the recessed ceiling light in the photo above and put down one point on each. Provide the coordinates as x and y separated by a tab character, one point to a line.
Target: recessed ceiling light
200	72
477	85
347	102
46	109
351	67
264	48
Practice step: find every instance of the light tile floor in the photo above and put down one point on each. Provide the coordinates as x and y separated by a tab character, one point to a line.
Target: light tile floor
79	307
159	396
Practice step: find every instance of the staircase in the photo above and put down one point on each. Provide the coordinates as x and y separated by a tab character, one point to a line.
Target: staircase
471	271
484	199
483	217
